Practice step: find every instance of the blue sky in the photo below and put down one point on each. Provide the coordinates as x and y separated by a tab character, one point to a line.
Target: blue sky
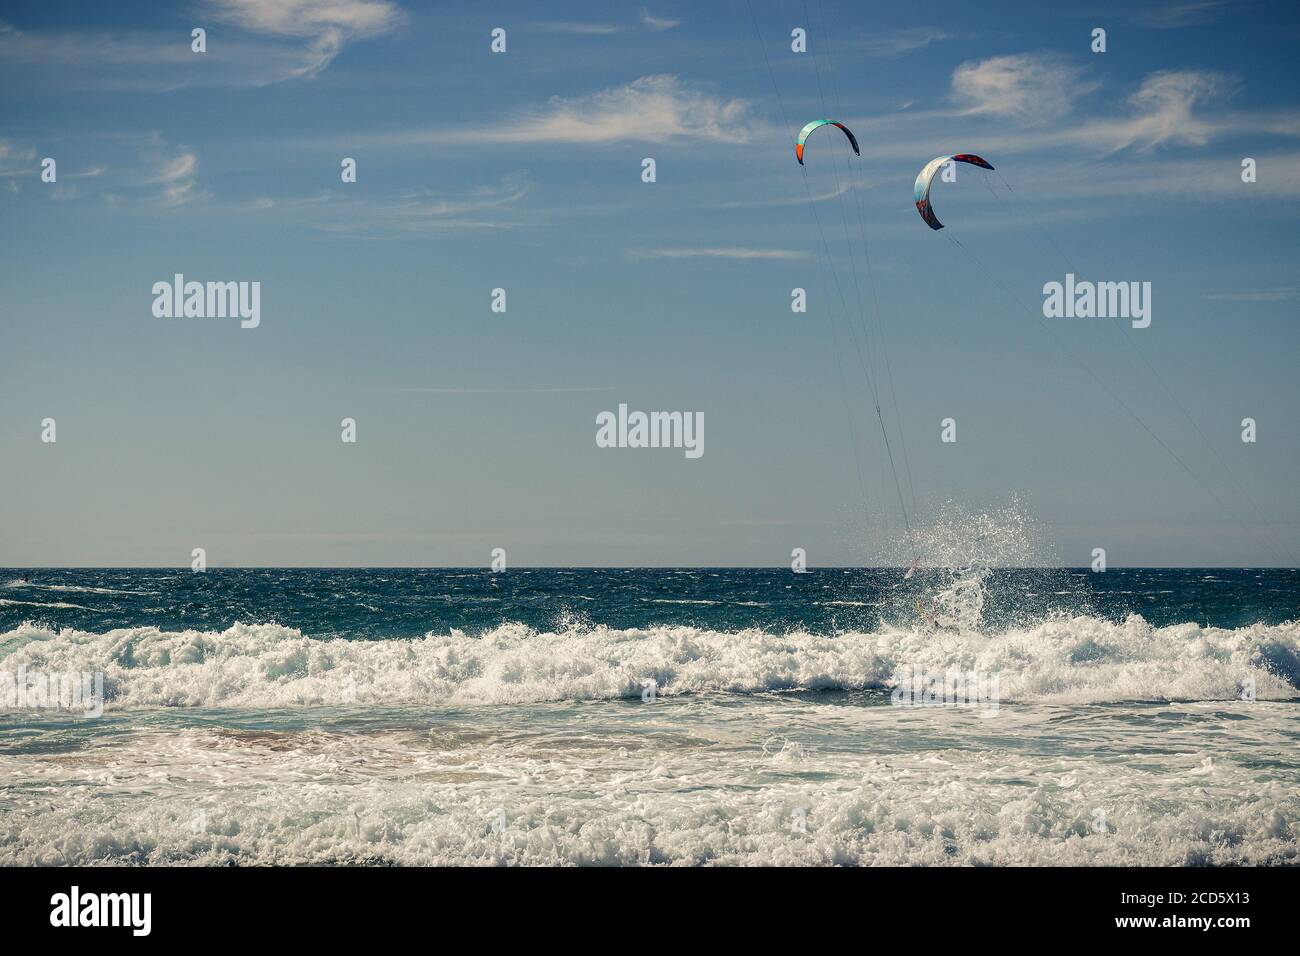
522	171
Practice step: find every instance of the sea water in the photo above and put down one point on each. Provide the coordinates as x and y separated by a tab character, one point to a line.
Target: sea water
690	716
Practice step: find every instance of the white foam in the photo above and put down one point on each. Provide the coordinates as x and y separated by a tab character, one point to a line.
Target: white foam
868	785
47	604
78	588
1067	660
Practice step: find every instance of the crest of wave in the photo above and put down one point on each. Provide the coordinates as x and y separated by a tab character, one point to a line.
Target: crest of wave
1079	659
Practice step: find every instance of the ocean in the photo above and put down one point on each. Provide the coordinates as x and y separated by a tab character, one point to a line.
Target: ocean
650	717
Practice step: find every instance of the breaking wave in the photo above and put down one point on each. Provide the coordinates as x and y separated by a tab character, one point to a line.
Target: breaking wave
1079	659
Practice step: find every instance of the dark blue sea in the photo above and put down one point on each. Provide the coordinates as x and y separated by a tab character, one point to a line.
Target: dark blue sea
375	604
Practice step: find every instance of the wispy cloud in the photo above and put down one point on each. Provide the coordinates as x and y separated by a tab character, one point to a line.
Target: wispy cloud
652	22
1188	178
16	160
1030	87
1184	13
153	172
1263	295
1169	108
582	28
140	61
325	24
509	391
651	109
901	42
88	50
579	29
308	18
174	175
796	200
285	39
1162	112
411	215
716	252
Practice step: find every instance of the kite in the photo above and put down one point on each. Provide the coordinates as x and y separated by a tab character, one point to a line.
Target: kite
926	175
803	135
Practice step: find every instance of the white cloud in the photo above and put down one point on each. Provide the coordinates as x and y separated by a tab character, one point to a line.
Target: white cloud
142	61
900	42
657	23
580	29
650	109
158	173
716	252
648	20
175	175
1030	87
326	24
1175	108
289	39
1162	112
308	18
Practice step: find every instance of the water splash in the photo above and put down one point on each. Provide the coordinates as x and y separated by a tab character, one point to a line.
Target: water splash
957	552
